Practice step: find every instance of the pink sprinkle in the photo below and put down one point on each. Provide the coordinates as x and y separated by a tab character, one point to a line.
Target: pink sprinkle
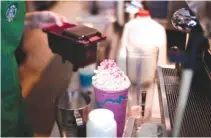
112	66
108	64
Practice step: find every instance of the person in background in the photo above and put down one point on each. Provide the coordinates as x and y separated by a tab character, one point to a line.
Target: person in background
14	119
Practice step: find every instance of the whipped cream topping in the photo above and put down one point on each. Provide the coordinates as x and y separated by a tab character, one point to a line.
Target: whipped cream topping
109	77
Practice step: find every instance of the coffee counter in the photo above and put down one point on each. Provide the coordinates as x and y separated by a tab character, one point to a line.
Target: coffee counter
74	84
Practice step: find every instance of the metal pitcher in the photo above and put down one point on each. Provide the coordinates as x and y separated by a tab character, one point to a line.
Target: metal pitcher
72	109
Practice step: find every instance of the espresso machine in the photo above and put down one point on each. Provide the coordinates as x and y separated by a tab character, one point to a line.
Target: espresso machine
185	91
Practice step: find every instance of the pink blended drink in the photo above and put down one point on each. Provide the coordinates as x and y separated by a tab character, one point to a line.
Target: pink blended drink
111	91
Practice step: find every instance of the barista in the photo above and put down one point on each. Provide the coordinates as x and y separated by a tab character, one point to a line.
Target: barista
14	120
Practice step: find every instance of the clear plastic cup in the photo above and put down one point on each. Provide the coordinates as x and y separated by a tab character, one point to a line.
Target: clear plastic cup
141	65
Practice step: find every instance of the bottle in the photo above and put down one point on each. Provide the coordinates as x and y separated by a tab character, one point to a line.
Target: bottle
101	123
145	31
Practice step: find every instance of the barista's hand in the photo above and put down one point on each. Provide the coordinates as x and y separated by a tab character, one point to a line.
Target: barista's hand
43	19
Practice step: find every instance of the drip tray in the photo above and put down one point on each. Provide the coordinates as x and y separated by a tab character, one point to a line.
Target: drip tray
197	117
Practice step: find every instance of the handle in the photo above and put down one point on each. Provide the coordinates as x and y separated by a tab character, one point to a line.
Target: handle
184	20
78	118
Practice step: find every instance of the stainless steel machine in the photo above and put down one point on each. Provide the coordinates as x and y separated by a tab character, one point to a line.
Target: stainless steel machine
185	92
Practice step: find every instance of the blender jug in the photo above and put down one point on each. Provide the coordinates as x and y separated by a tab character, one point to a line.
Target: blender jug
74	43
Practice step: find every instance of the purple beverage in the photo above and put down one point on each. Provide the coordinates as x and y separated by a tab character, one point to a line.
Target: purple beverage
111	91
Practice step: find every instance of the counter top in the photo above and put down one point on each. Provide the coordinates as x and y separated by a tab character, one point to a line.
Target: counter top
74	84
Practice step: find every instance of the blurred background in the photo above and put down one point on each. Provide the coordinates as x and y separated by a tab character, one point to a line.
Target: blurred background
42	73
